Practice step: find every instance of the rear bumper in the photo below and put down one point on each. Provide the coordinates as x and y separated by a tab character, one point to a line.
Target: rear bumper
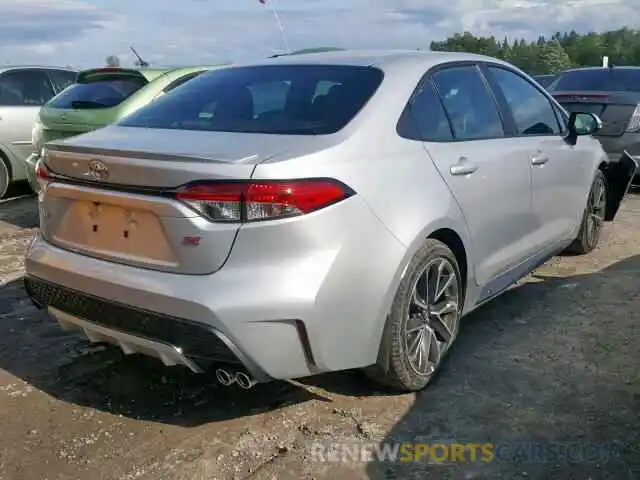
283	315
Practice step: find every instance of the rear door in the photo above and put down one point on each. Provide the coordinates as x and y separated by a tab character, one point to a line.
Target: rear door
561	173
22	93
483	170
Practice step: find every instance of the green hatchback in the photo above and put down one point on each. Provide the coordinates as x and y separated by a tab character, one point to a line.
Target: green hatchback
99	97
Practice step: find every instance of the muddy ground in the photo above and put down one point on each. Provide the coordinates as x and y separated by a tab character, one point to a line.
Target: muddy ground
556	359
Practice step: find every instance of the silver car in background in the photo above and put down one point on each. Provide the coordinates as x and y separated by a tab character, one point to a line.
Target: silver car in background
23	90
316	213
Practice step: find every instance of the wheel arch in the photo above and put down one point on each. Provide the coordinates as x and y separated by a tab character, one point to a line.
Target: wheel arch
4	157
6	161
454	236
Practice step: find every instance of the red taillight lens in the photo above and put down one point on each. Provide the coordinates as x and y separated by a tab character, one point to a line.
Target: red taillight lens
42	175
262	200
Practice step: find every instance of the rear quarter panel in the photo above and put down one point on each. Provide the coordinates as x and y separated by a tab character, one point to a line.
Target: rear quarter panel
401	189
395	177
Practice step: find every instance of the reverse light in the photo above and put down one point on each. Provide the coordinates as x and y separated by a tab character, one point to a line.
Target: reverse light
634	121
261	200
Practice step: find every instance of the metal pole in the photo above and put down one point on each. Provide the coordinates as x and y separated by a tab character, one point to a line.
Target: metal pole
271	4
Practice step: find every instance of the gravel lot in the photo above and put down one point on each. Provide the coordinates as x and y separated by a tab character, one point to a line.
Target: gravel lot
556	359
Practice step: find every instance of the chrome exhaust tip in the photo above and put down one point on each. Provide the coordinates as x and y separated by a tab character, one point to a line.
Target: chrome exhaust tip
225	377
245	381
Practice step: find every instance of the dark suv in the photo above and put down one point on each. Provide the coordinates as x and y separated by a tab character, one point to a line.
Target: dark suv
612	93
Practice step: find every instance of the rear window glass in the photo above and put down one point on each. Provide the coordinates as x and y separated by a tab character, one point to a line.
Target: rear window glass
601	80
100	92
274	99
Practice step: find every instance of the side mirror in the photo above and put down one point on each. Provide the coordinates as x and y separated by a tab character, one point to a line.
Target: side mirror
584	124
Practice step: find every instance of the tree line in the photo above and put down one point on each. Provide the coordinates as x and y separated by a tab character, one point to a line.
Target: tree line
551	55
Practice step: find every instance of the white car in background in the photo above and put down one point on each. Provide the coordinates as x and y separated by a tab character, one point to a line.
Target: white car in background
23	90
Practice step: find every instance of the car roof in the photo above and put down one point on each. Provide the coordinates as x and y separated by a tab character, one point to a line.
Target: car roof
591	69
383	59
4	68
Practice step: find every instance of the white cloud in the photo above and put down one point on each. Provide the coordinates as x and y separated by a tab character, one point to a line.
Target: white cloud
84	32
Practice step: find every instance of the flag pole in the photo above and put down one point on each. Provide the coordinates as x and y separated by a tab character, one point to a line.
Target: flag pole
276	16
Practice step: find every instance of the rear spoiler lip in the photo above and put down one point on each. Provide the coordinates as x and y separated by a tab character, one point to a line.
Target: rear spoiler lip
60	146
107	71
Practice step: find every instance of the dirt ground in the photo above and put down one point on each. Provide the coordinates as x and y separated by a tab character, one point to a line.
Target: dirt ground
556	359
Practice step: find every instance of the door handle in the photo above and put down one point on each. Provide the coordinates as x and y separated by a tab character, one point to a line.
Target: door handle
539	159
463	167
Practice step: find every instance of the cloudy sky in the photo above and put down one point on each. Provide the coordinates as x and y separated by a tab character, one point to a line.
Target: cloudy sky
84	32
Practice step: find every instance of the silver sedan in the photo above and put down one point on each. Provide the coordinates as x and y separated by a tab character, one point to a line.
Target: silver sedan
316	213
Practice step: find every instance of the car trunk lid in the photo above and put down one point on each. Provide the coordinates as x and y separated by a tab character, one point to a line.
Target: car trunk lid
113	199
615	109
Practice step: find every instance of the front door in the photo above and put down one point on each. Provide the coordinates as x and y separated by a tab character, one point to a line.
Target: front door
489	180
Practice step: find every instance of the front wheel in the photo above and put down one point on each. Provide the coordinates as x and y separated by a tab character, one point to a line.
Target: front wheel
5	177
593	217
423	322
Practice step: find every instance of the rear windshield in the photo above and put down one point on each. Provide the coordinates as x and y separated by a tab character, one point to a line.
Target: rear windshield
273	99
600	80
98	92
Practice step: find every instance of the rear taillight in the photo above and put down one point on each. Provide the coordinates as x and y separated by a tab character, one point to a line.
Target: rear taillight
261	200
42	175
634	121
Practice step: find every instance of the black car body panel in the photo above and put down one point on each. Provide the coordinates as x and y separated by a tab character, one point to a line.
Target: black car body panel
613	108
619	176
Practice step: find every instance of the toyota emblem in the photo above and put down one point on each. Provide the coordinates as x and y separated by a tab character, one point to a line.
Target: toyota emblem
97	170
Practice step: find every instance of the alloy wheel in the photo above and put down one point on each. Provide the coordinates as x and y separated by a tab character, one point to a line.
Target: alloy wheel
596	208
4	178
433	318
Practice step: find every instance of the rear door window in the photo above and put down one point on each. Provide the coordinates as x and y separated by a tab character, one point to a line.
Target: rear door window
424	118
469	104
273	99
25	88
61	79
99	91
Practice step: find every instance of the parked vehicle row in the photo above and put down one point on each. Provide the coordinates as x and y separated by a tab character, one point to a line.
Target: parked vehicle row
318	213
100	97
39	104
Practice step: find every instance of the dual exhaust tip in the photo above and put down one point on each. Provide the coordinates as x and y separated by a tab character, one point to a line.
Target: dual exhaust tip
226	378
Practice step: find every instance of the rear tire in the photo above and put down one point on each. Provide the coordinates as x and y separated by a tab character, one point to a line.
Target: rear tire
424	320
5	176
593	217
